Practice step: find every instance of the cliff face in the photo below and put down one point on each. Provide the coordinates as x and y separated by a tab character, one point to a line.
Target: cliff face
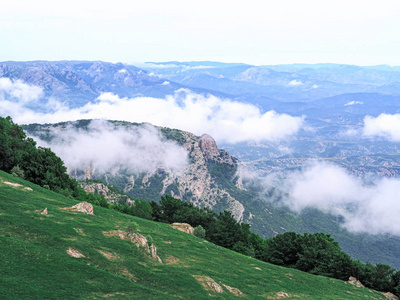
207	180
195	183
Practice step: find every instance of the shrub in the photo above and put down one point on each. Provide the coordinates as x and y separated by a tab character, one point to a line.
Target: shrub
199	231
132	227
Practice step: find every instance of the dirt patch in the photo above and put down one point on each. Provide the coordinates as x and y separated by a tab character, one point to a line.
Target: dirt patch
113	295
74	253
280	295
109	255
27	189
121	234
257	268
233	290
167	242
209	284
172	260
80	231
126	273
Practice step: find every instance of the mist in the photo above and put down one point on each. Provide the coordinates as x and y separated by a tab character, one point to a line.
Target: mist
106	147
364	206
225	120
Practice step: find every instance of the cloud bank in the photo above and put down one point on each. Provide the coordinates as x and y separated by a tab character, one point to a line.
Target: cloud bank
371	208
18	92
227	121
384	125
106	147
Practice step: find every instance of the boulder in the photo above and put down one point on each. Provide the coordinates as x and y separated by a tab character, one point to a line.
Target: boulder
355	281
183	227
84	207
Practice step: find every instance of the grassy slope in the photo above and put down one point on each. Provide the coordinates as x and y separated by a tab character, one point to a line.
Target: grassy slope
34	263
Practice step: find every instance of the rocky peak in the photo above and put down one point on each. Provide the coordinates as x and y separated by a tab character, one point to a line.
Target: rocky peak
208	146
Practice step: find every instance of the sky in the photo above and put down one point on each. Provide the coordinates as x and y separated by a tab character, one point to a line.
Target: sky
255	31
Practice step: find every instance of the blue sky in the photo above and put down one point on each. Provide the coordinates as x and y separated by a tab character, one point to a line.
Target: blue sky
256	32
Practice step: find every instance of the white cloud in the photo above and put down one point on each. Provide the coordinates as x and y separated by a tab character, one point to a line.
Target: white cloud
225	120
295	83
372	208
165	83
384	125
107	147
353	103
16	90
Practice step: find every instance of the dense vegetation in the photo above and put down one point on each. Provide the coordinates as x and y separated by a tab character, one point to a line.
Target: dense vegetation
315	253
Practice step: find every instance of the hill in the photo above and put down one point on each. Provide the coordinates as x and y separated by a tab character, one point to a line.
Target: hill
67	254
210	179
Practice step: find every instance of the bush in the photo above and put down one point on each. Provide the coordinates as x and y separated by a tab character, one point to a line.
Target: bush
199	231
132	227
17	172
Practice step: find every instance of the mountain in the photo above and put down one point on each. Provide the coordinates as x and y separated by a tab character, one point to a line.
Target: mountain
78	82
51	251
208	180
211	179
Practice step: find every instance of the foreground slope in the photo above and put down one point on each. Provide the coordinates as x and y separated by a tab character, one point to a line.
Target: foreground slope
72	255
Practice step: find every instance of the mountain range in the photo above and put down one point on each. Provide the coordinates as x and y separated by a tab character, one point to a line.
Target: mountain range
334	100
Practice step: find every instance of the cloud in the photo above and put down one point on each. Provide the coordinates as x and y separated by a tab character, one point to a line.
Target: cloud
371	208
17	90
227	121
107	147
295	83
353	103
384	125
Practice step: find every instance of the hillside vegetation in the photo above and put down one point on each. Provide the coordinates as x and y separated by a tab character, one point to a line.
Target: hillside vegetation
72	255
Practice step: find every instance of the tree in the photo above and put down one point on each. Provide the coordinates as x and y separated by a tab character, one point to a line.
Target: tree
284	249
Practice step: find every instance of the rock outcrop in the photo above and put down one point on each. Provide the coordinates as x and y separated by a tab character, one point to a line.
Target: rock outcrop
355	281
183	227
84	207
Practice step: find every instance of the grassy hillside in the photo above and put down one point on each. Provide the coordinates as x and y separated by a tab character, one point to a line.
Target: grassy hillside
35	264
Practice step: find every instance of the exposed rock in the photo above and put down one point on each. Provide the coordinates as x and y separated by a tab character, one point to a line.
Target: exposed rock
126	273
109	255
84	207
141	241
208	146
183	227
74	253
282	295
233	290
209	284
355	281
390	296
12	184
28	189
44	212
103	190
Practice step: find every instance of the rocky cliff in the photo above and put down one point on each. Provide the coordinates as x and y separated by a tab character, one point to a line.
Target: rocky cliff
207	180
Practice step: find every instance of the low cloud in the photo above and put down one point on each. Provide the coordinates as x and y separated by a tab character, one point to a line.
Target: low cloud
227	121
353	103
371	208
18	91
384	125
107	147
295	83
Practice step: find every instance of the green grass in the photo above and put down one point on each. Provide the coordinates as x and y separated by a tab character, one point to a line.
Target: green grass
34	263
